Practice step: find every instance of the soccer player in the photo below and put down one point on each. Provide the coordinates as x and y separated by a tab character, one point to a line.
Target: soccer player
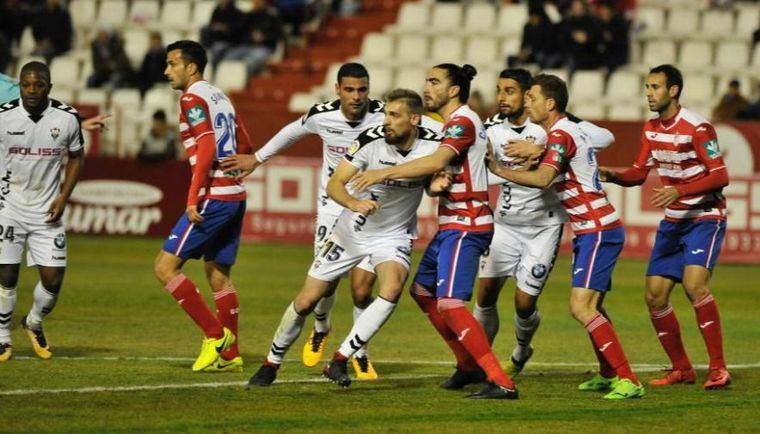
683	147
337	123
378	224
37	134
210	227
599	234
447	271
527	233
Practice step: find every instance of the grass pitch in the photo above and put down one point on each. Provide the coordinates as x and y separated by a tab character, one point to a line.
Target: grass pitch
123	350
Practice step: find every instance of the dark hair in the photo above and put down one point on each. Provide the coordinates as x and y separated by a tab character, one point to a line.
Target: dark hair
159	115
192	52
459	76
352	69
35	66
409	97
521	76
673	76
553	87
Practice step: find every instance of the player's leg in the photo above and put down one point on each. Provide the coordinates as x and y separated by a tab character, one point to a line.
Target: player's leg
485	310
422	291
392	276
8	282
665	269
594	260
458	264
362	280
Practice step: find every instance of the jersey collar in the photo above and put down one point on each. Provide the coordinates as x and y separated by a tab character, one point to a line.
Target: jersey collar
34	118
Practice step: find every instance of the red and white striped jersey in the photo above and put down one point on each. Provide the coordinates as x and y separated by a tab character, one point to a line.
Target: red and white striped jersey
684	149
570	152
205	110
465	206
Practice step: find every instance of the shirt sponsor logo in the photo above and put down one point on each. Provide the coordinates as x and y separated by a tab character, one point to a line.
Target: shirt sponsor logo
712	148
15	133
387	163
196	115
332	131
454	131
42	152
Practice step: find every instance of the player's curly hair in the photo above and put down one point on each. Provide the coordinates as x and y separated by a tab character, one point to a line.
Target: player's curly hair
459	76
192	52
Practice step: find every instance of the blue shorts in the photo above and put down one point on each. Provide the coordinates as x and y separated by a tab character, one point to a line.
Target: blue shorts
450	263
689	242
216	238
594	258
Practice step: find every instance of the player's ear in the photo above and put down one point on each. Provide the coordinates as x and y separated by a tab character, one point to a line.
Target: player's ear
551	104
453	91
415	119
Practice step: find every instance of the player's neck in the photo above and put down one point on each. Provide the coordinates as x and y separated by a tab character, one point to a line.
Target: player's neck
551	119
670	111
519	119
447	109
36	111
409	142
352	117
192	80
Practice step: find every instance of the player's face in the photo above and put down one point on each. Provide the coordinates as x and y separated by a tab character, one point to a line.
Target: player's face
510	97
536	104
658	95
435	94
354	95
35	88
176	70
399	122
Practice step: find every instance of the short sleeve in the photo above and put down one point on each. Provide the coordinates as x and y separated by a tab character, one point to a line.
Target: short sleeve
358	155
705	142
197	114
459	134
560	148
76	139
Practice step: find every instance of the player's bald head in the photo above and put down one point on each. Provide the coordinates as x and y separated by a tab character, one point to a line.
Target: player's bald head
38	68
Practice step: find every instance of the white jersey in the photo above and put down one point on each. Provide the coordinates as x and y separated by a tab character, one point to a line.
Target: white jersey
32	149
337	134
601	138
517	204
398	198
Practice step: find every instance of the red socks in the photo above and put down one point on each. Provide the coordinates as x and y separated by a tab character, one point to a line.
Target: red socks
429	305
607	344
184	291
708	321
669	333
227	309
471	336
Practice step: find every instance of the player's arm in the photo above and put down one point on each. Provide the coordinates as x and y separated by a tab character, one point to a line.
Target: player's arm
336	189
419	167
96	122
634	175
73	170
284	139
439	183
705	142
601	138
196	112
245	146
540	177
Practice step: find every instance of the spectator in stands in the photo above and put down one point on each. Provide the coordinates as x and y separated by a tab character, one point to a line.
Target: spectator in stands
261	33
161	142
52	30
153	64
580	37
731	103
109	61
223	31
615	37
539	41
294	13
752	111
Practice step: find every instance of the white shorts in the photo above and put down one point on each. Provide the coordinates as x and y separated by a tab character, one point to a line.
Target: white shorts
324	225
524	252
45	242
343	250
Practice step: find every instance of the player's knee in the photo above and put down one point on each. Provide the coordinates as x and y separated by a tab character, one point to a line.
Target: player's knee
164	273
696	290
655	300
582	312
362	300
9	276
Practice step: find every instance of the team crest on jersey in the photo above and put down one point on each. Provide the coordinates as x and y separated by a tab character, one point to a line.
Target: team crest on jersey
454	131
355	146
60	241
196	115
712	148
55	132
531	139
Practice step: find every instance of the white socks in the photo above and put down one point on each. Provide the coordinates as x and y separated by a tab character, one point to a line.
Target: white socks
7	304
358	311
322	312
488	317
524	331
367	325
44	302
290	327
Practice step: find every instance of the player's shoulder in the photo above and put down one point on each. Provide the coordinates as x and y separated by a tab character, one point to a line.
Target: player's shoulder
694	119
376	106
497	119
322	108
63	107
369	135
10	105
424	133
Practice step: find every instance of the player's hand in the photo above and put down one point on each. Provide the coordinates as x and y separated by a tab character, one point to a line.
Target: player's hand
56	210
493	164
365	207
606	175
96	122
193	215
246	163
522	149
440	182
363	180
664	196
243	173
